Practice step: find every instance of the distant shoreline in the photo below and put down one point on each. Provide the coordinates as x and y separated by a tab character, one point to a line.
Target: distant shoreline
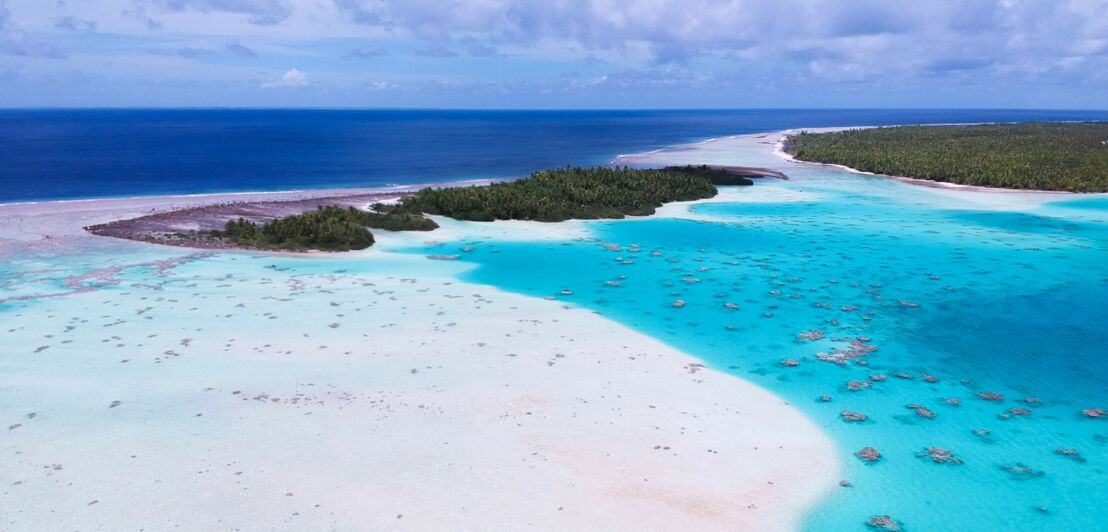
779	150
137	216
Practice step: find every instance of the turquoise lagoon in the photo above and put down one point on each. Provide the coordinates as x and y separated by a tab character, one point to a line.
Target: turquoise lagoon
1007	300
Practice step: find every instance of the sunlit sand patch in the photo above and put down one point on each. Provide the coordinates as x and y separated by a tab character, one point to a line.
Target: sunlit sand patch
225	306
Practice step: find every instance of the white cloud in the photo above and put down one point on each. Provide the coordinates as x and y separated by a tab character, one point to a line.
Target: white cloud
258	12
800	45
897	35
292	78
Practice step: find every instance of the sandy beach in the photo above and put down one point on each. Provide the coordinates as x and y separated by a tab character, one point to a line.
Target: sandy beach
365	392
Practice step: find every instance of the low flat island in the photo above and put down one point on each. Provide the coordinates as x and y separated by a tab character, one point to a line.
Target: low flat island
337	223
1062	156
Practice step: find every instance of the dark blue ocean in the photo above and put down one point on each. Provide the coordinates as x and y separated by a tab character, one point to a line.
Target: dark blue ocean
64	154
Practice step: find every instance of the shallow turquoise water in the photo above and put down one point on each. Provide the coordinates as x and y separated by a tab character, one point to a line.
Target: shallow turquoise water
1012	303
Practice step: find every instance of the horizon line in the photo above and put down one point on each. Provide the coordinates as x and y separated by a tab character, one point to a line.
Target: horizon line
532	109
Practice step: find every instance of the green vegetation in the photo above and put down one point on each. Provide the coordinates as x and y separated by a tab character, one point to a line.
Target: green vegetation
716	177
550	196
564	193
398	217
326	228
1033	155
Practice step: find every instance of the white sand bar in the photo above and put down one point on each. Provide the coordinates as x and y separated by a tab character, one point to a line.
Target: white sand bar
365	399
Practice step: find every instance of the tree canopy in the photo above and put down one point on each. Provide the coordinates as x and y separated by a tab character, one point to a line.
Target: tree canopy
1069	156
326	228
549	196
573	192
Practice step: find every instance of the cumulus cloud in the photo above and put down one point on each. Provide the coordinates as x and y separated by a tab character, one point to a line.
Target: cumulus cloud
193	53
364	53
240	50
957	45
893	35
17	43
292	78
437	51
953	65
4	16
259	12
138	12
482	50
75	24
14	41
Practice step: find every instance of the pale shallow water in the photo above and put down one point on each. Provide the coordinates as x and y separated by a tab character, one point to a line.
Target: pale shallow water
1009	302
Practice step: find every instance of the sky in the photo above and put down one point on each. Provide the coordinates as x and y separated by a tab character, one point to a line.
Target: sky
539	54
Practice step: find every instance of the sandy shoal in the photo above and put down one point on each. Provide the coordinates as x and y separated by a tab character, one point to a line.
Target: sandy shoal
370	400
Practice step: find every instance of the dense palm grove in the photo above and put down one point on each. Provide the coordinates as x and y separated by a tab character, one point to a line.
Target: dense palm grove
395	218
326	228
573	192
716	177
549	196
1033	155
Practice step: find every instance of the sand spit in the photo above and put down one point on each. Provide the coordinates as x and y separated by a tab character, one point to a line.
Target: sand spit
59	226
217	210
215	217
233	392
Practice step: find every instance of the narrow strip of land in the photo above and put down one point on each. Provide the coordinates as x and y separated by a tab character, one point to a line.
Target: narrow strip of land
1053	156
338	223
173	227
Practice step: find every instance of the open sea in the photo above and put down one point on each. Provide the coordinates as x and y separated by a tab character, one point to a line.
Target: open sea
991	323
67	154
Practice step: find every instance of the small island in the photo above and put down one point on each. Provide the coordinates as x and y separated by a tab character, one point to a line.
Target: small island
575	193
336	224
1058	156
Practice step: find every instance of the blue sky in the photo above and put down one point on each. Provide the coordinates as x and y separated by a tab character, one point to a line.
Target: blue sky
555	53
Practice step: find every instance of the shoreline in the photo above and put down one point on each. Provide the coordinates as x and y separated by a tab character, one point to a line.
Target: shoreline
30	225
612	435
476	392
157	228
